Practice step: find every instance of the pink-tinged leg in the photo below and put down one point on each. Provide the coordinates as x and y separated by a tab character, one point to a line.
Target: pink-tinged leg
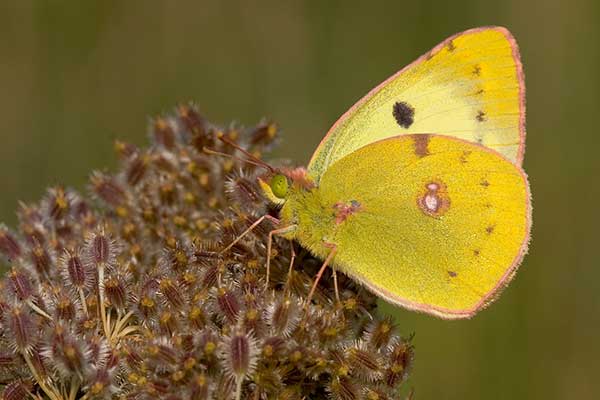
279	231
320	273
335	286
250	228
292	258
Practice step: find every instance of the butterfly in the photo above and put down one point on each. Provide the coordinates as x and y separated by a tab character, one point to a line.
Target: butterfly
417	191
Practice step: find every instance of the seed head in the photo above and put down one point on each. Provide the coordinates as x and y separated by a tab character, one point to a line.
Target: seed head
172	293
57	203
117	292
380	332
263	133
21	328
107	189
136	168
238	354
101	249
67	354
242	188
134	293
364	361
163	132
343	388
199	388
17	390
228	304
284	315
74	272
9	246
41	259
20	283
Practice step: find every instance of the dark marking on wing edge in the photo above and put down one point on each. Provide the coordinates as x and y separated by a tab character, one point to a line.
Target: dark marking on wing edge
465	155
480	116
421	145
404	114
450	46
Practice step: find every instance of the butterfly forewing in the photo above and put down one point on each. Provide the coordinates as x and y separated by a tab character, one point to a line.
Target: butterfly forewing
470	87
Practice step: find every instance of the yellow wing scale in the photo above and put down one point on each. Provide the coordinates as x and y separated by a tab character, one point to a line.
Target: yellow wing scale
470	87
447	255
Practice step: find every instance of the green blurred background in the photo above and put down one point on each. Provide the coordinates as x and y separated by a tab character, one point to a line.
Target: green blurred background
74	76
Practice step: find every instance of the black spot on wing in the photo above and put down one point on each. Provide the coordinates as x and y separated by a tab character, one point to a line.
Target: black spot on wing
404	114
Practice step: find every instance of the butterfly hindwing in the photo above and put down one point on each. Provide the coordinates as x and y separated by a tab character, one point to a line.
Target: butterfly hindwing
439	224
470	86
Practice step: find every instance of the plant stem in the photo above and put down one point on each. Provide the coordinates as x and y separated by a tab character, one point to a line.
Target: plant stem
38	310
101	299
83	302
50	391
238	389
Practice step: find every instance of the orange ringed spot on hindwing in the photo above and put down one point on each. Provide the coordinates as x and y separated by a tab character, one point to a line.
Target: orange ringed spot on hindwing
434	200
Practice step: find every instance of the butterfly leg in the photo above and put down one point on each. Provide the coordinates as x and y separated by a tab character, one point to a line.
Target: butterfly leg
335	286
320	273
292	259
250	228
280	231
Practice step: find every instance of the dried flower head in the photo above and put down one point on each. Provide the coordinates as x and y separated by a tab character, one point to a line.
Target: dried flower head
133	292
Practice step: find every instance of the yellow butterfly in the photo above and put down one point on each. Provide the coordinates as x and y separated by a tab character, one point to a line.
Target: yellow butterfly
417	191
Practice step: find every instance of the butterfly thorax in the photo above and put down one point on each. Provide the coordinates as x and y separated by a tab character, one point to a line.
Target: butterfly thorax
315	221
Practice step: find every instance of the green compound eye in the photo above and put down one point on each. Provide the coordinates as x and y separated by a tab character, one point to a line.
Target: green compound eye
279	186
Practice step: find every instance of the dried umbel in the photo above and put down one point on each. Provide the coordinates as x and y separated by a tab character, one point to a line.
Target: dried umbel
129	294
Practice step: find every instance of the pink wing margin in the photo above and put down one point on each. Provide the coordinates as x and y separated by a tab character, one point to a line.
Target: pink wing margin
520	76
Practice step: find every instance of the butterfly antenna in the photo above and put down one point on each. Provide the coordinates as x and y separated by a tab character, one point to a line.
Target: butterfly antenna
250	156
243	160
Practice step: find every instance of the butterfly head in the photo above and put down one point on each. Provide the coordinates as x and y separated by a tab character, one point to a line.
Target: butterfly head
278	184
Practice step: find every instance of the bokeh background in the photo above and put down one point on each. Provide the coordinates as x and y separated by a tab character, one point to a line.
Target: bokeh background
74	76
